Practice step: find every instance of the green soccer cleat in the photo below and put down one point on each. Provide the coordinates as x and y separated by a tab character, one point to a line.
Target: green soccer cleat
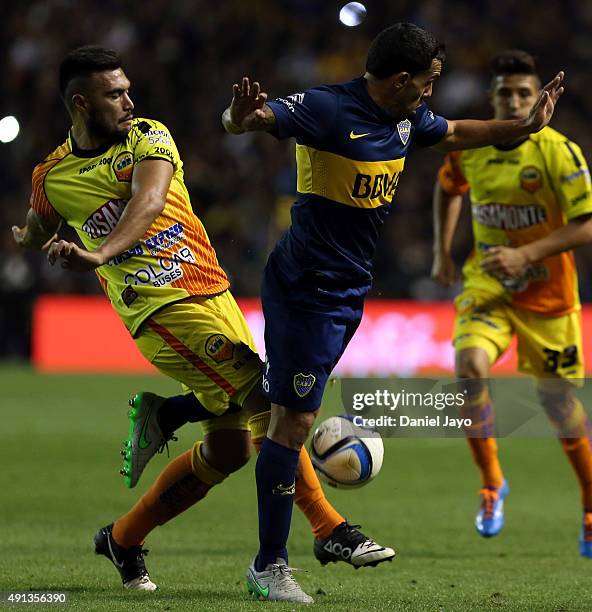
276	583
145	438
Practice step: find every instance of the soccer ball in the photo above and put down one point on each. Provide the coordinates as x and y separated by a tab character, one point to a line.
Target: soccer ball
345	455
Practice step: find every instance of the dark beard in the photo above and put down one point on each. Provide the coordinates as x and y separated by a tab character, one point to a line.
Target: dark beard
102	133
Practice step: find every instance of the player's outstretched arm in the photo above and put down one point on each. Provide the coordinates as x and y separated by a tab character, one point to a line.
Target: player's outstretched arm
150	184
471	134
505	262
247	111
446	212
37	233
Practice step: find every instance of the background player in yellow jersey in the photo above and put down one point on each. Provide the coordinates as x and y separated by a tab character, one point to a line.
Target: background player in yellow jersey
531	202
118	181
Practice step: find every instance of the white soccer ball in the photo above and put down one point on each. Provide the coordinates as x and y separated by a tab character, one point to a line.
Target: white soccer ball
345	455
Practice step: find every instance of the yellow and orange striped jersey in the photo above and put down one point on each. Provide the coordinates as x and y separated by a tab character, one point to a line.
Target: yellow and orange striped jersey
90	189
519	195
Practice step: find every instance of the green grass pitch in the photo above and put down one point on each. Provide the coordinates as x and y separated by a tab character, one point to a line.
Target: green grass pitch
60	437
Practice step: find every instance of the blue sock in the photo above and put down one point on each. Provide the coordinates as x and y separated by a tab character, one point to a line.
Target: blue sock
276	476
180	409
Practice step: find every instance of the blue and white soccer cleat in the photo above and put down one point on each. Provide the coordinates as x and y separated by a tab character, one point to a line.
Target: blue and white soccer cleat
585	539
490	518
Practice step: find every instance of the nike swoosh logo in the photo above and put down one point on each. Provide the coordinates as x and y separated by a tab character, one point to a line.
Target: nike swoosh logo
143	442
112	554
284	489
263	591
354	136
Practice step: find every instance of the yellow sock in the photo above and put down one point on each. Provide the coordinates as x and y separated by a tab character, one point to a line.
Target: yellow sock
309	496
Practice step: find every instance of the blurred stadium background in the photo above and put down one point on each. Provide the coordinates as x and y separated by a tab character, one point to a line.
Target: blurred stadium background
183	56
62	432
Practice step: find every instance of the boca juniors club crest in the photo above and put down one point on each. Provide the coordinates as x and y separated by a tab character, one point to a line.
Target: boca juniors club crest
219	348
303	383
531	179
404	129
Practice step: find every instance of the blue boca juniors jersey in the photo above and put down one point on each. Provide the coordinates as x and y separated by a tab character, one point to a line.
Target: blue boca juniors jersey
350	154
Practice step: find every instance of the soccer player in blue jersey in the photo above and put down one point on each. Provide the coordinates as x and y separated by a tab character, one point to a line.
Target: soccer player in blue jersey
351	143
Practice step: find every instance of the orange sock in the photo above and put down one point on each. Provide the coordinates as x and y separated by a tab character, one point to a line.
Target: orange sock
176	489
309	496
485	455
568	416
580	456
483	446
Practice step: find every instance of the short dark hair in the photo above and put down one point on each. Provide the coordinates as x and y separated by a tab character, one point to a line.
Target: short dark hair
513	61
82	62
403	47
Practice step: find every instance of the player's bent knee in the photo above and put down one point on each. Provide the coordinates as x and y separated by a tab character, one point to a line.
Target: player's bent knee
226	451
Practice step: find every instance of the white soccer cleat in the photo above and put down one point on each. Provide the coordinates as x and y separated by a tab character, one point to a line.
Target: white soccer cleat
276	583
140	584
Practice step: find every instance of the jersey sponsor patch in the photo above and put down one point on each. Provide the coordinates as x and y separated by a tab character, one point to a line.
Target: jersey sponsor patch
303	383
164	272
165	239
119	259
103	220
509	217
128	296
404	129
123	166
219	348
531	179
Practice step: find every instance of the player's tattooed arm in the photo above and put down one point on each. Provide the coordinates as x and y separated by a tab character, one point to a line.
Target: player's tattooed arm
247	111
471	134
37	234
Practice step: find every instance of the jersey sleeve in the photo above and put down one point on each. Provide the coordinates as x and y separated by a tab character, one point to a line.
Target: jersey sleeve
571	179
38	201
155	142
428	129
450	175
306	116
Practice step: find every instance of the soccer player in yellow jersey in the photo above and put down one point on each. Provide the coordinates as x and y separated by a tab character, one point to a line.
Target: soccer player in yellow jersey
531	202
118	181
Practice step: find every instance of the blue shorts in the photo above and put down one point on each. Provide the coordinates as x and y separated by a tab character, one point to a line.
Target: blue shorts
307	328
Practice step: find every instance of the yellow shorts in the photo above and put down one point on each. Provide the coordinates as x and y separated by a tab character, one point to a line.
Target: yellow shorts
548	347
207	346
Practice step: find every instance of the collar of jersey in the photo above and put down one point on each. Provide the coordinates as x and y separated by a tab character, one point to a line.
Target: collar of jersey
512	146
78	152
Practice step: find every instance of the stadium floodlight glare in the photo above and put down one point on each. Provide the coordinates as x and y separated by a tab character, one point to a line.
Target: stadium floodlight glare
352	14
9	129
